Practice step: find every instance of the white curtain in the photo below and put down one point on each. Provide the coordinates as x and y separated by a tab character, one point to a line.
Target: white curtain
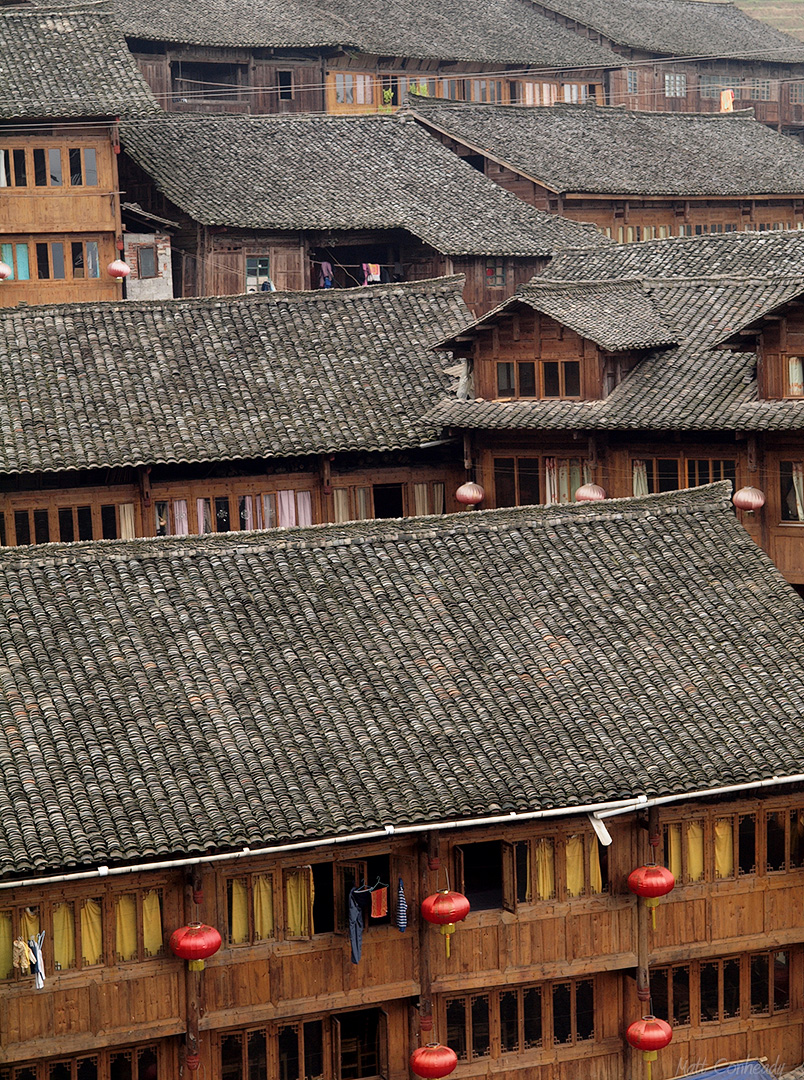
181	524
798	488
363	497
795	377
204	511
640	479
304	504
269	511
438	498
421	502
340	503
286	508
247	511
551	481
3	176
127	521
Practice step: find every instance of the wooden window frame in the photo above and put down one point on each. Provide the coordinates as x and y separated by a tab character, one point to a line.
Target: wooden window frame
248	880
382	1044
110	917
364	84
675	84
547	1042
41	1068
745	1010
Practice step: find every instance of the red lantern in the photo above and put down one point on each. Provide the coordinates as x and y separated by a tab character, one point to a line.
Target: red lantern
192	1061
748	499
470	494
5	271
651	882
649	1035
445	909
590	493
433	1061
118	269
195	943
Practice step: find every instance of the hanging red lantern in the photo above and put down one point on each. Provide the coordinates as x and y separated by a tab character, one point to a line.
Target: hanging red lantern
195	943
445	908
192	1061
651	882
649	1035
748	499
118	269
470	494
590	493
433	1061
5	271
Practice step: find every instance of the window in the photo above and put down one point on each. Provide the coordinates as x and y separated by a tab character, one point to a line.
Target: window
75	523
48	162
275	509
784	840
258	271
495	272
317	896
561	378
490	90
529	1018
13	168
47	167
563	477
250	907
760	90
147	266
711	86
135	1063
455	89
32	526
284	85
707	471
796	90
791	490
170	518
712	991
197	81
50	260
70	523
479	872
83	166
138	925
351	88
516	482
652	475
632	81
16	256
675	85
85	259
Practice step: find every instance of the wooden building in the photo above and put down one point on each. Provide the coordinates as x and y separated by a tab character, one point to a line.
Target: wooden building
681	55
286	56
67	77
261	732
572	380
290	200
636	175
227	414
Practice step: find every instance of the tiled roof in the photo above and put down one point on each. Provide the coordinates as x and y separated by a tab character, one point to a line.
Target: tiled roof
69	60
587	148
183	695
485	31
258	376
312	173
682	28
693	387
617	315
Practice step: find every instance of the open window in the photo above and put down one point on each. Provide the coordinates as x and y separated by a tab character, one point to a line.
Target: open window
360	1044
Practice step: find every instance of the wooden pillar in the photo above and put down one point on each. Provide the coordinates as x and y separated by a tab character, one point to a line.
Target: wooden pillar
428	865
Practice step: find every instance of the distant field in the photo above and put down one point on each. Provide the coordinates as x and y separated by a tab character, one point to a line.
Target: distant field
787	15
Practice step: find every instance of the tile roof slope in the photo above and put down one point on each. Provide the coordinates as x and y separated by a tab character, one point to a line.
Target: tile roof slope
616	314
586	148
694	387
183	695
491	31
682	28
258	376
311	172
68	60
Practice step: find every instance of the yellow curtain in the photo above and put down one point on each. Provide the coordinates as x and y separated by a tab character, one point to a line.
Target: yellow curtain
595	875
673	853
545	870
575	875
63	937
6	939
695	851
262	886
299	899
238	914
125	915
91	932
152	936
724	848
29	922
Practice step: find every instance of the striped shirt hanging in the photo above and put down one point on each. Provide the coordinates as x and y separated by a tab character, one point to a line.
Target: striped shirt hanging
401	909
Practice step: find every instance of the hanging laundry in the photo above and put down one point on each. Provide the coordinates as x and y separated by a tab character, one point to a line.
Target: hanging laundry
325	276
20	956
401	909
37	960
355	926
373	272
379	902
364	271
